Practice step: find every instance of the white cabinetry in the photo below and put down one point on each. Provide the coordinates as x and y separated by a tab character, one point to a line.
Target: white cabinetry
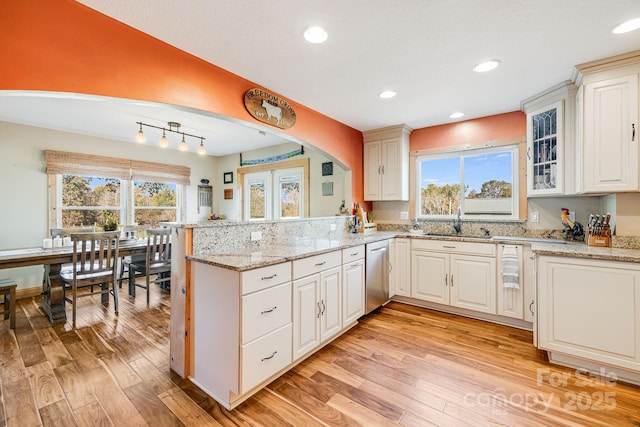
386	163
241	328
353	290
460	274
400	270
317	301
510	298
590	309
608	116
551	141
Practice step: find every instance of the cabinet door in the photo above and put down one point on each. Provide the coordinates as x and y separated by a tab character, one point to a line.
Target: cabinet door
545	150
510	299
306	315
430	276
472	283
589	309
352	292
391	170
372	171
330	303
610	148
401	268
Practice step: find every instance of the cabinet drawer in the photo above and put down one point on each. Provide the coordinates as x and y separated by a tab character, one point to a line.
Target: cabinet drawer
352	254
264	357
265	311
454	247
262	278
314	264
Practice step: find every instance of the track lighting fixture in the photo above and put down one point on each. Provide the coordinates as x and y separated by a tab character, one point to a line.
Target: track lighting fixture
164	142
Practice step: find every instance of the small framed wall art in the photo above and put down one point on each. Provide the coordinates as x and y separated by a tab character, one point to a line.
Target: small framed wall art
327	168
228	178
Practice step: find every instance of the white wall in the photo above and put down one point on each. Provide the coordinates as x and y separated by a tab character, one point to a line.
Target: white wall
320	206
23	182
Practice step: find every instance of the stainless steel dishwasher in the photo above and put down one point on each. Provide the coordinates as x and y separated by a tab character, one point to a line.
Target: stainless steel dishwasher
377	275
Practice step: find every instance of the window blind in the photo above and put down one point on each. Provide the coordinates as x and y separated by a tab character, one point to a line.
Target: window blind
63	162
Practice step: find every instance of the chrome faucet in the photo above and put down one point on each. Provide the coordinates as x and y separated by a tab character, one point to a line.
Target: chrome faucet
457	223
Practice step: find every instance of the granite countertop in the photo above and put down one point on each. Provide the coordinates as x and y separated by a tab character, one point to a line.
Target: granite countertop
581	250
251	258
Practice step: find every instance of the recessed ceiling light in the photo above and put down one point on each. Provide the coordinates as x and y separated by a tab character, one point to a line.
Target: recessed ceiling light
627	26
315	34
386	94
456	115
486	66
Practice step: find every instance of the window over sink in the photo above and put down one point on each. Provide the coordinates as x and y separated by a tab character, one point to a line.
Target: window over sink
482	183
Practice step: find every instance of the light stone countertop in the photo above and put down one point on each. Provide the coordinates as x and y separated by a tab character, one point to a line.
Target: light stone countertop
251	258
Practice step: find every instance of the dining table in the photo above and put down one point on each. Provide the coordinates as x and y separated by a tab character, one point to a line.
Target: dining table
52	301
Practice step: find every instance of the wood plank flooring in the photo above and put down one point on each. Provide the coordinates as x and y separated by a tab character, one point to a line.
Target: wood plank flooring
402	365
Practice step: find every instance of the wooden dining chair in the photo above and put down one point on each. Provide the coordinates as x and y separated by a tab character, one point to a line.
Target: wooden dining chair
157	261
95	257
129	232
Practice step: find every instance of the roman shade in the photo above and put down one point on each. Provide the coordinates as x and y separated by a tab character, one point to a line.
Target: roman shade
63	162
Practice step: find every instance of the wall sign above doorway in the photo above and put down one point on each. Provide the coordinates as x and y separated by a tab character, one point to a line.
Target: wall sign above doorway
269	108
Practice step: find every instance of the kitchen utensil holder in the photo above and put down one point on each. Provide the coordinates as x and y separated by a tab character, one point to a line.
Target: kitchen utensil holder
599	236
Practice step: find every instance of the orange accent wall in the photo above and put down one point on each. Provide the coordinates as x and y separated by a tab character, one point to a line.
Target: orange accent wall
500	126
62	45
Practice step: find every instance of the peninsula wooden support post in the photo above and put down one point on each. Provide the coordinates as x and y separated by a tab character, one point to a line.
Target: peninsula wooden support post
180	344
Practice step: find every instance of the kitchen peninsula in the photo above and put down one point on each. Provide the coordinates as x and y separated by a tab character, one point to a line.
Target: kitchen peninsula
255	308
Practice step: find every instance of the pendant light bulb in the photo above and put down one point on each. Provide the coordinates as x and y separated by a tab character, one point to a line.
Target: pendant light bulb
201	149
183	144
140	136
164	142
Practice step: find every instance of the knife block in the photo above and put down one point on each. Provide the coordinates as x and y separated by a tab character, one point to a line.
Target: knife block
599	237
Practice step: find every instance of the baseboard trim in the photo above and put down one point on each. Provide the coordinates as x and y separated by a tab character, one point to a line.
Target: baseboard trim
28	292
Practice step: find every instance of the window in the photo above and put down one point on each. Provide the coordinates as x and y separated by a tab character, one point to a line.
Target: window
89	200
154	202
276	194
481	183
103	190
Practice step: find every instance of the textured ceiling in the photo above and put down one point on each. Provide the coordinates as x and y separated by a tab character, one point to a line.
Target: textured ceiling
423	49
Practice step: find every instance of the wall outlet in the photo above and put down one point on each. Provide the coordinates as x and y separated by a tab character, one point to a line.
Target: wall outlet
256	235
535	217
404	215
332	227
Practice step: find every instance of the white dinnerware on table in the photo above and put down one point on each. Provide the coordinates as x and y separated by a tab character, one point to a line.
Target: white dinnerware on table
47	243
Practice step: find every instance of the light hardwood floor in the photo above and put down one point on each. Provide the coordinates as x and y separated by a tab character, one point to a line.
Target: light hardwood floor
401	365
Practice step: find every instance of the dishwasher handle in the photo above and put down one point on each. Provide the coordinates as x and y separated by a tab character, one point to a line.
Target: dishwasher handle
377	250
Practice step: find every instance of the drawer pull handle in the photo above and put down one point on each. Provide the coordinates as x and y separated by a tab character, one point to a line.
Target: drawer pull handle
354	254
318	264
530	307
448	247
270	277
270	310
355	265
269	357
319	310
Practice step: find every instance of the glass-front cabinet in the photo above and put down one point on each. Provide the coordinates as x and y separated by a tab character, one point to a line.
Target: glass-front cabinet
546	127
551	141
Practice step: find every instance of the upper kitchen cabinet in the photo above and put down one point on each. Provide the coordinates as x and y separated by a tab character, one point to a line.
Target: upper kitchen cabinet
551	141
608	118
386	163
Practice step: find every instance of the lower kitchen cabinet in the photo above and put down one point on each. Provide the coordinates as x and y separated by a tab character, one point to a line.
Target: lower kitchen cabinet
242	328
590	309
353	291
317	301
453	278
510	266
400	270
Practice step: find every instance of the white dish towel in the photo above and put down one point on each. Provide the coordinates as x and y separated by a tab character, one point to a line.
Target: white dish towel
510	267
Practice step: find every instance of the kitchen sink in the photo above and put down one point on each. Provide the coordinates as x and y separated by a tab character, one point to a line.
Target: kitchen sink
459	236
527	239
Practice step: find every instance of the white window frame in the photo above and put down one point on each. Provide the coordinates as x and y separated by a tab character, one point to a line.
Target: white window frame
513	149
126	208
249	179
